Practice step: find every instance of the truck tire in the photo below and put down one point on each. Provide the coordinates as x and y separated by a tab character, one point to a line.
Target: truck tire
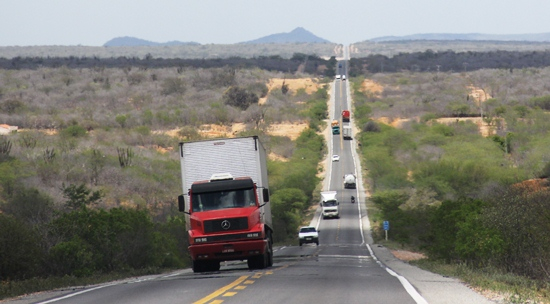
204	266
198	266
257	262
265	260
213	266
270	251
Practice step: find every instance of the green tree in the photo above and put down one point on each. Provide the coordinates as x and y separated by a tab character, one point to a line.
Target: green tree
239	98
288	205
79	197
30	206
73	131
173	86
121	120
19	250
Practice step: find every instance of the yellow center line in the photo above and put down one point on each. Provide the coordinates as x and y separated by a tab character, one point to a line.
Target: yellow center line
221	291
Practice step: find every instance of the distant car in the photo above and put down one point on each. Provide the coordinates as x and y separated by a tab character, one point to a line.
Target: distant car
340	65
335	158
308	234
343	77
338	76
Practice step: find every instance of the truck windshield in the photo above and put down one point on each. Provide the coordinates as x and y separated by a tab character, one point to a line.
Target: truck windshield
223	200
329	203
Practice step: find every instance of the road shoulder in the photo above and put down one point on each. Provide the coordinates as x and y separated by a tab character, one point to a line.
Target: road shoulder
433	287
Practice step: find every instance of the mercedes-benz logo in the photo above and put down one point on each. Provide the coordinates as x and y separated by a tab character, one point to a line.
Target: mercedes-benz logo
226	224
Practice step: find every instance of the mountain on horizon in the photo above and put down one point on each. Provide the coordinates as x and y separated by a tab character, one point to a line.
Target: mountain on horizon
132	41
298	35
542	37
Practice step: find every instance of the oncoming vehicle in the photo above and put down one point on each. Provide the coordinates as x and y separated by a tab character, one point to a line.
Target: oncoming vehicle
329	205
308	234
226	204
335	158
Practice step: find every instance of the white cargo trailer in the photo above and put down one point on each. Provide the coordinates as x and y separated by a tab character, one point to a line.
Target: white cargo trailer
226	202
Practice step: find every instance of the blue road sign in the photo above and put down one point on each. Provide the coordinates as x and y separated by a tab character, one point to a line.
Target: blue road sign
386	225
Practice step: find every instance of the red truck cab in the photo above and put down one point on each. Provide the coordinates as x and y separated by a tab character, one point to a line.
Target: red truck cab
225	224
345	116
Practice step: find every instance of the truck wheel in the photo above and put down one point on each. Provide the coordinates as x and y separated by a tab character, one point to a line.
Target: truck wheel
258	262
269	251
255	262
213	266
198	266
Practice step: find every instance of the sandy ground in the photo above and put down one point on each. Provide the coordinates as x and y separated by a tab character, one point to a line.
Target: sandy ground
372	87
407	256
309	84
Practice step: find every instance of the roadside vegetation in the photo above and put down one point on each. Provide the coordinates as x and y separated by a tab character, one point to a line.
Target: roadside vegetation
476	204
88	182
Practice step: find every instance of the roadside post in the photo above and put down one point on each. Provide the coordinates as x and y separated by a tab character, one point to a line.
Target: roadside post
386	228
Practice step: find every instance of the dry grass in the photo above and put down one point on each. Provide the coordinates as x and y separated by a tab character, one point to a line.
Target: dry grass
370	86
478	96
311	85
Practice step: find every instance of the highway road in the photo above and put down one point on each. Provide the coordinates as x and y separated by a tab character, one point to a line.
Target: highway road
344	268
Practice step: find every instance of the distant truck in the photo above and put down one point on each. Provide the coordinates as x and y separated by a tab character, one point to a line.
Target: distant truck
226	202
349	181
329	204
346	132
335	127
345	116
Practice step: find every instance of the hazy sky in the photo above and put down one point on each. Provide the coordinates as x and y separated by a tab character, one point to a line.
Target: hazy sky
94	22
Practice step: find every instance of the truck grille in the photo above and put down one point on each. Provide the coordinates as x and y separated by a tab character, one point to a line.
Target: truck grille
240	223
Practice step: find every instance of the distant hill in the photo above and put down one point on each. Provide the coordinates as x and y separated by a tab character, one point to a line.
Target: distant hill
298	35
543	37
131	41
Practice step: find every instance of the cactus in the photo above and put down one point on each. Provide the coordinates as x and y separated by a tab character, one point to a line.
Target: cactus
125	157
48	155
5	147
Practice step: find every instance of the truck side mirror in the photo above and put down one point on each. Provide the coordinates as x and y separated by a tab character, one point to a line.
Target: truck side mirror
265	193
181	203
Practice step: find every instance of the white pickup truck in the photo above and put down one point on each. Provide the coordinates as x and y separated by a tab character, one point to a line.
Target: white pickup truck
308	234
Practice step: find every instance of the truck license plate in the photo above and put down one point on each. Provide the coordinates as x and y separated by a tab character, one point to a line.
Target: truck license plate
227	250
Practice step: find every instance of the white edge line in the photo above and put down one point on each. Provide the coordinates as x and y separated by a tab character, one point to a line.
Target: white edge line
76	293
406	284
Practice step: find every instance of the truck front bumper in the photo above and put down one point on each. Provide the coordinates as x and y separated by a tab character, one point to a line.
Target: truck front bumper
228	251
330	214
